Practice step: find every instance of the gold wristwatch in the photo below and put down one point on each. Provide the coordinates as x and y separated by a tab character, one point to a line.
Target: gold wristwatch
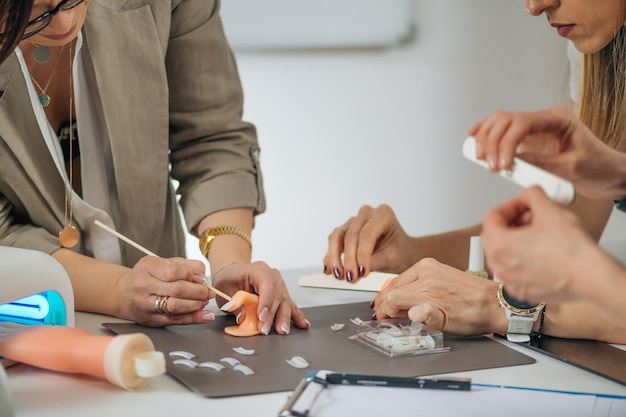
207	237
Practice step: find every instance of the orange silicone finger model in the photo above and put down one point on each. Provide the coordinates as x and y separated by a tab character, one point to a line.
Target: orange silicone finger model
250	324
124	360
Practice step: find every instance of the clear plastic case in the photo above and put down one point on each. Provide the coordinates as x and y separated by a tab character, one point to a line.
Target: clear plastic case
399	337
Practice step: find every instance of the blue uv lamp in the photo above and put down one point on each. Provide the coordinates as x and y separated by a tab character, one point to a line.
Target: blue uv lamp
34	290
45	308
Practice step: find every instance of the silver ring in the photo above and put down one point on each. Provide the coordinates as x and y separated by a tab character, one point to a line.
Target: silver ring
343	228
157	304
160	304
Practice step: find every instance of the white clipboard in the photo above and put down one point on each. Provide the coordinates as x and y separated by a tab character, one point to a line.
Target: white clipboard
313	398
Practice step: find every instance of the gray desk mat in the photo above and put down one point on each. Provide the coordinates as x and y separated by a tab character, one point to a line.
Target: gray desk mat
322	347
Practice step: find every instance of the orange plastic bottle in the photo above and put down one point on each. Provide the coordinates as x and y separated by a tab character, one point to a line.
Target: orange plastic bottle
124	360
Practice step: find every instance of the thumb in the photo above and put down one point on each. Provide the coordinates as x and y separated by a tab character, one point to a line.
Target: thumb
433	317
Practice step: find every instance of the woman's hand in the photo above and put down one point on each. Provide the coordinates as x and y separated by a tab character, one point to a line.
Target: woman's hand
275	304
555	140
444	298
180	280
539	249
373	240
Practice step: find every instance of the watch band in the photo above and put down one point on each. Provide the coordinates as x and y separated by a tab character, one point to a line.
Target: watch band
521	319
520	327
208	236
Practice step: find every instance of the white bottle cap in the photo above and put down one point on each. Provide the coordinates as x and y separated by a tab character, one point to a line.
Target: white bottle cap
125	364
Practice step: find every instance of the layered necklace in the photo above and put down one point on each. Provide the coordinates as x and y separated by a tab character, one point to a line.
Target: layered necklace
44	98
69	235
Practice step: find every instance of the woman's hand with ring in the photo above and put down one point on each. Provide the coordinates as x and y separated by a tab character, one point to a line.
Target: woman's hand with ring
164	291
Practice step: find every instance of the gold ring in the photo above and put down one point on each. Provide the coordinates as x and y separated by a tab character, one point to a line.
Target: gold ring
163	305
160	304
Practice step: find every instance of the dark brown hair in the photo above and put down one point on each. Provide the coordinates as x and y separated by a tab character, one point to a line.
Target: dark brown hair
14	15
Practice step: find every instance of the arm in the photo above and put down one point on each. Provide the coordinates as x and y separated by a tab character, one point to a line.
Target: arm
215	158
553	139
374	240
459	303
130	293
542	253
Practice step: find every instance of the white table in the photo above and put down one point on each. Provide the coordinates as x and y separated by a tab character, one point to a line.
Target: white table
42	393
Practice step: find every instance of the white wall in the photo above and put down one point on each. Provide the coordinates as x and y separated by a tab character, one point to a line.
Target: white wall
343	128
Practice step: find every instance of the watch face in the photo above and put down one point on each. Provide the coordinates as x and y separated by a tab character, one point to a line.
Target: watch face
521	304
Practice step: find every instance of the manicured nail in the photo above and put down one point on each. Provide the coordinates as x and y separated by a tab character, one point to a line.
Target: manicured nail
198	278
491	163
336	272
308	323
502	162
374	317
238	318
265	329
284	328
372	304
349	276
263	315
361	271
325	269
208	316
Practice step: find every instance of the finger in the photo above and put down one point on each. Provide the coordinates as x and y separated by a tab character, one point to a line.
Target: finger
381	224
197	317
285	311
393	303
476	126
270	287
352	241
332	260
429	315
501	122
174	305
172	277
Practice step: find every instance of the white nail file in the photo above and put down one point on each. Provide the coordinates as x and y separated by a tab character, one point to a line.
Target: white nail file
524	174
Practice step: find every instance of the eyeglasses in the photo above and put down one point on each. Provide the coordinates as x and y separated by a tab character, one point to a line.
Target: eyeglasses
37	24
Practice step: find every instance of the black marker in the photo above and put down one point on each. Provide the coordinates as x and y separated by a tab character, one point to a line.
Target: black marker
457	384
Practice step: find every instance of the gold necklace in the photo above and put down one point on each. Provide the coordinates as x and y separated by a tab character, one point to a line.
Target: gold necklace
69	235
44	98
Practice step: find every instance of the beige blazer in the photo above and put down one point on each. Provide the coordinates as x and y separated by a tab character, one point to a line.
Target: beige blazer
172	104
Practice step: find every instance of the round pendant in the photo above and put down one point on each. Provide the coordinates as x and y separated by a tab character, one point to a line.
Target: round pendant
42	54
69	236
44	99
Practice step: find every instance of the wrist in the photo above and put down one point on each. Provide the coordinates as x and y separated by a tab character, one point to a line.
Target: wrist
226	234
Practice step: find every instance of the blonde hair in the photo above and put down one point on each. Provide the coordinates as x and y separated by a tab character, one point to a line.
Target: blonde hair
601	104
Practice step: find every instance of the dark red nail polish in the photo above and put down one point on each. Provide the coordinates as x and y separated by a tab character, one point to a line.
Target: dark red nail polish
374	317
349	276
336	272
361	271
372	304
325	269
